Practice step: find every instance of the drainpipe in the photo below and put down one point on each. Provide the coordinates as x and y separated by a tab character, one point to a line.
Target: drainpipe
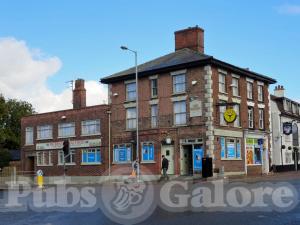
109	143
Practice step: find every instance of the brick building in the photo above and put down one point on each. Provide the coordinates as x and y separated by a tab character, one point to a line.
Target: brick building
182	100
85	127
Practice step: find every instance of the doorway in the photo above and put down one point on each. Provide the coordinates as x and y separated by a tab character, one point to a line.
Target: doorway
168	152
186	156
30	164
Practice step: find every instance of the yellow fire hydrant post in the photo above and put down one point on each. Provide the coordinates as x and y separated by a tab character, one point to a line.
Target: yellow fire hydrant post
40	178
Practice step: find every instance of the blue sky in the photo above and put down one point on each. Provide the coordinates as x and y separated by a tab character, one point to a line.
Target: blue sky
85	35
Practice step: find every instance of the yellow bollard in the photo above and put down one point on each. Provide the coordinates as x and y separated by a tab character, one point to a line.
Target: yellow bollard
40	181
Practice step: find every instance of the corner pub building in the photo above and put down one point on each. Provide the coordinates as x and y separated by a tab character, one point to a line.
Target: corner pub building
183	100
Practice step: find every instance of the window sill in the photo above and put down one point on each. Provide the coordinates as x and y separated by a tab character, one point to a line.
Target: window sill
223	125
60	137
179	93
236	96
86	135
29	145
147	162
44	139
90	164
67	164
130	130
154	97
45	165
180	125
254	164
129	101
223	93
231	159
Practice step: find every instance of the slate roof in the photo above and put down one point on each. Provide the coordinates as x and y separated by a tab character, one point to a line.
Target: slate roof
183	58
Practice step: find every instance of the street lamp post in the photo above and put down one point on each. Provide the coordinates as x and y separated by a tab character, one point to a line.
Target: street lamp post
137	102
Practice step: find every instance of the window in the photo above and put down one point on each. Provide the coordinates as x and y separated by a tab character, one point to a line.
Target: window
294	108
148	152
123	153
261	118
179	83
235	86
250	118
260	90
179	113
230	148
130	91
237	122
29	136
70	159
90	127
222	109
254	149
288	157
44	158
249	90
44	132
91	156
154	116
222	83
66	129
154	88
131	118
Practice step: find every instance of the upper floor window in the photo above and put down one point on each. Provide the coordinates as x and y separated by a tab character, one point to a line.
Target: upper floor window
131	118
179	83
44	132
180	113
222	83
222	109
250	117
260	91
261	118
29	136
66	129
249	90
154	116
235	86
154	91
90	127
130	91
237	122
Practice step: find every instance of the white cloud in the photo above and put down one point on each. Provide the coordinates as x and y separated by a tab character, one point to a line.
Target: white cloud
24	73
289	9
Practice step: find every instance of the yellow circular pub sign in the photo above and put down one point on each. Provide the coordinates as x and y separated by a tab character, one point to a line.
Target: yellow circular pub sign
230	115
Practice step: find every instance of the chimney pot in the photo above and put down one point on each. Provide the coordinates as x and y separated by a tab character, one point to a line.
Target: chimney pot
192	38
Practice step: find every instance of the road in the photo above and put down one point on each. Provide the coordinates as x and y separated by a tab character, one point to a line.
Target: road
161	216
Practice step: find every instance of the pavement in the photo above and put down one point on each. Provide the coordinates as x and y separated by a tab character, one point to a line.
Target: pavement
160	215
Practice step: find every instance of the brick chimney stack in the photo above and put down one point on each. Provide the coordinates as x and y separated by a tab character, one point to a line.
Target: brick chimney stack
279	91
192	38
79	94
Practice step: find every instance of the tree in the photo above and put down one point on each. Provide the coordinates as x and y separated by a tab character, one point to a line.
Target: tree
4	158
11	112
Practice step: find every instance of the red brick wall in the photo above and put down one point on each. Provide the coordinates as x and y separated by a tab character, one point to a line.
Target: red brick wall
54	118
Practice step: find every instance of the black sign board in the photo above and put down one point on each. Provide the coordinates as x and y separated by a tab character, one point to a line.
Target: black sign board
287	128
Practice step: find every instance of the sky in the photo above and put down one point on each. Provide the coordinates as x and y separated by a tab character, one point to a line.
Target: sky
45	44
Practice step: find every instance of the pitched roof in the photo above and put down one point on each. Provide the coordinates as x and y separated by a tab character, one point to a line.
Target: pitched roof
182	58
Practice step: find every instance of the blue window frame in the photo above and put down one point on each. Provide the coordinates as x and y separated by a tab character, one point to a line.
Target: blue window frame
123	153
148	151
91	156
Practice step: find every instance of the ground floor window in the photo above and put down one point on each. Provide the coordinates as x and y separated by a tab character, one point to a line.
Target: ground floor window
70	159
254	149
123	153
44	158
91	156
230	148
148	151
288	157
